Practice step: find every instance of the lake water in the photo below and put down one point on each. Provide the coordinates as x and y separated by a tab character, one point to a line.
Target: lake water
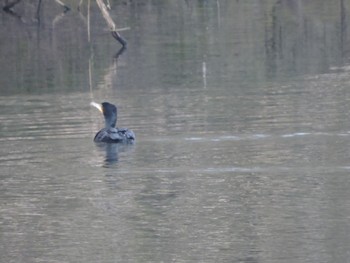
241	114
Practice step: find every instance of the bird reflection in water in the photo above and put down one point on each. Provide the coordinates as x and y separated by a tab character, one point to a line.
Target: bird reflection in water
112	151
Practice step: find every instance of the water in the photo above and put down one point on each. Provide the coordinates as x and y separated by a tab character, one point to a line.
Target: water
241	116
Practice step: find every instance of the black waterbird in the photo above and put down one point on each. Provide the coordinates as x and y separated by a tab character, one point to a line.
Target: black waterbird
110	133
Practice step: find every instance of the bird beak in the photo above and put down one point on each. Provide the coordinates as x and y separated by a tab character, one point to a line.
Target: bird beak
97	105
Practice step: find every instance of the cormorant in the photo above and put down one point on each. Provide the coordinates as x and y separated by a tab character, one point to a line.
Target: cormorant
110	133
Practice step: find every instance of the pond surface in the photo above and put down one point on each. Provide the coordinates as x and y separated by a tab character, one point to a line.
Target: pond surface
241	114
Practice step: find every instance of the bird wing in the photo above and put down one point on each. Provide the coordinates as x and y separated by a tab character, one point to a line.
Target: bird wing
115	135
128	134
107	135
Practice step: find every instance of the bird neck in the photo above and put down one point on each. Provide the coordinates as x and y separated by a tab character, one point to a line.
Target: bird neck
110	123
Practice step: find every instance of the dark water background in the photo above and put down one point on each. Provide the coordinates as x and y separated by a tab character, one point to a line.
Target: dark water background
241	112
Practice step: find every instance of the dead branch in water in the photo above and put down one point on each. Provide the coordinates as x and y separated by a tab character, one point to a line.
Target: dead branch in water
66	8
110	22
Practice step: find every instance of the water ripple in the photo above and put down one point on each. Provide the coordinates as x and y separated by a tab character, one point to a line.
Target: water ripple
262	136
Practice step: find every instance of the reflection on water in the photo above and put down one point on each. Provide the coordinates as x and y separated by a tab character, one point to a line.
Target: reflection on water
240	109
112	151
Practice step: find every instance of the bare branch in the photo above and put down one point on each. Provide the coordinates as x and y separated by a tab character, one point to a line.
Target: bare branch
66	8
110	22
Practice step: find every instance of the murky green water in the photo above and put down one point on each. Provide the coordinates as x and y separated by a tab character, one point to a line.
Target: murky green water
241	112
